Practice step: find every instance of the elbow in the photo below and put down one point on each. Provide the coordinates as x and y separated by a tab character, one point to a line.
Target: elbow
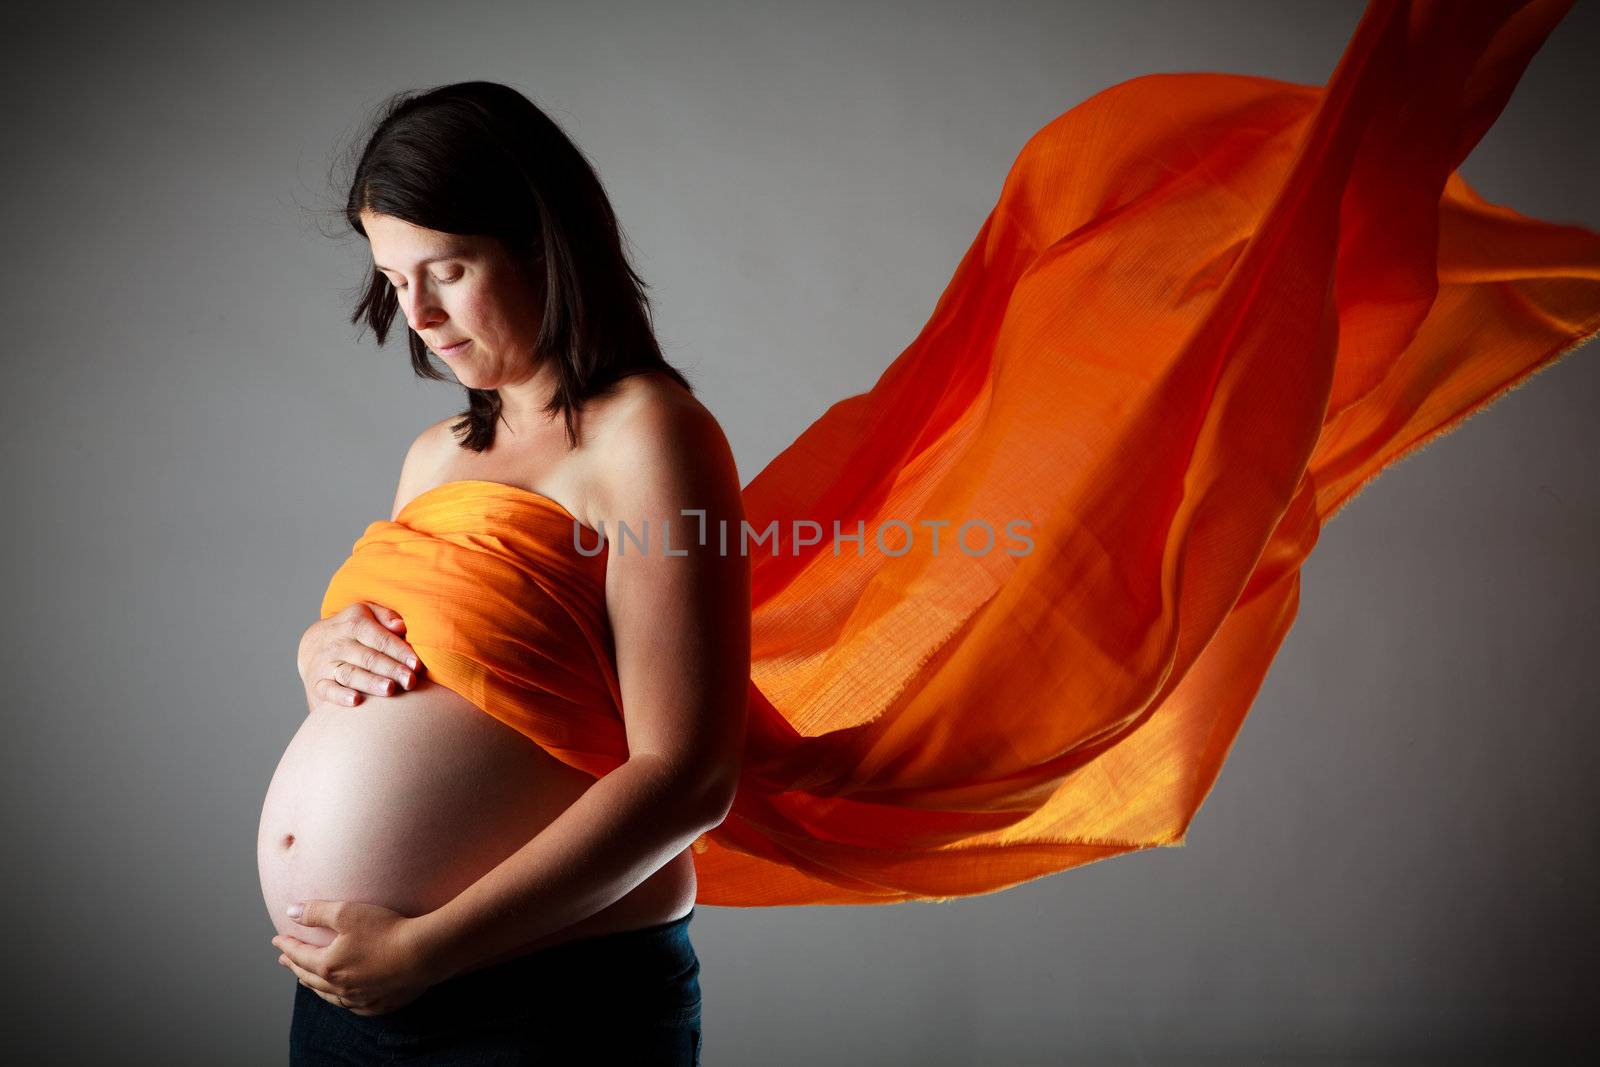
706	798
714	795
717	800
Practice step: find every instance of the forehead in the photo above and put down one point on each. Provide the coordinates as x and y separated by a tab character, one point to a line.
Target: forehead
397	244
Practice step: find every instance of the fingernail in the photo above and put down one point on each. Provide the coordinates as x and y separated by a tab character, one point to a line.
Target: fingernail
411	661
296	910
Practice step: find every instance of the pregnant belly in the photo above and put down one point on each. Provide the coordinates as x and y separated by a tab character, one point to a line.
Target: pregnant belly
405	801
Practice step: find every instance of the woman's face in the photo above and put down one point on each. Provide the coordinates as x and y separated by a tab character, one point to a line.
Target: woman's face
455	288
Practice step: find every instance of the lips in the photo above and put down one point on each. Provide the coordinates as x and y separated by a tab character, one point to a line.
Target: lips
450	348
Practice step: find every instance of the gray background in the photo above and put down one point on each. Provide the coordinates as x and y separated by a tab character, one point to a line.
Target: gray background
1398	860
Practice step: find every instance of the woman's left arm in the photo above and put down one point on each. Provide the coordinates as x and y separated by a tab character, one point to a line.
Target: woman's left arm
680	620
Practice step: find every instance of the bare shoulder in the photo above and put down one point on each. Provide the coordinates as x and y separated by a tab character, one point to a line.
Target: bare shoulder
660	449
422	462
430	443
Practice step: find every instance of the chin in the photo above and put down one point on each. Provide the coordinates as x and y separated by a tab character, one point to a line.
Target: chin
471	377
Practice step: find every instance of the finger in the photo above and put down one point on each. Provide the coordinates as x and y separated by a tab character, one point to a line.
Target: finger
322	914
377	630
291	956
306	957
350	672
334	693
313	981
383	653
350	613
388	617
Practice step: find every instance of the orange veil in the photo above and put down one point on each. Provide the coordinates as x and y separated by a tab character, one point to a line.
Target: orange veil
1206	309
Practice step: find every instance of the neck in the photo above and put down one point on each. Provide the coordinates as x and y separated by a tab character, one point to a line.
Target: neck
523	403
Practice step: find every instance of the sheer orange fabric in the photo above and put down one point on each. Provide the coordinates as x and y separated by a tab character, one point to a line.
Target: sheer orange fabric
502	607
1206	310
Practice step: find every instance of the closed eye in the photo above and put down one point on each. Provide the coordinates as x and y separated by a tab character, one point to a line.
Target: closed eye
441	281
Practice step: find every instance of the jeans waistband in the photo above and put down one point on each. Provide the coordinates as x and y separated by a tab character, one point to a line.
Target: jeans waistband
652	952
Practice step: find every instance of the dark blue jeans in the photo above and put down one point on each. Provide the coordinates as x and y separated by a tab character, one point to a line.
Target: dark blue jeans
629	997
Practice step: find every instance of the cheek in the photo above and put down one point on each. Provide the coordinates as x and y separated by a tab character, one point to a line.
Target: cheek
505	314
476	314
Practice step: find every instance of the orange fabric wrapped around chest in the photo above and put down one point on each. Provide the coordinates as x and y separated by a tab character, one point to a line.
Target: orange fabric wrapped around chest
504	608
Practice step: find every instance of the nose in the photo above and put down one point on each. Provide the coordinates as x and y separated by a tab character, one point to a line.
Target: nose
421	312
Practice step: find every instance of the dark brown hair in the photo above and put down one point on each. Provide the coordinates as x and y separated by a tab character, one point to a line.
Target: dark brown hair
479	158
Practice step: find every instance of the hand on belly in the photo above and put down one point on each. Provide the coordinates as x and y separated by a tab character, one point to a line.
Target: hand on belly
373	965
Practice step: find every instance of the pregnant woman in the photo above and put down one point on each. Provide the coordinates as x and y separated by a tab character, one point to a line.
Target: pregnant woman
399	792
1000	616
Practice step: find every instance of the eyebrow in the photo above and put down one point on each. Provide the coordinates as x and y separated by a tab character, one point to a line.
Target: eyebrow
458	252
